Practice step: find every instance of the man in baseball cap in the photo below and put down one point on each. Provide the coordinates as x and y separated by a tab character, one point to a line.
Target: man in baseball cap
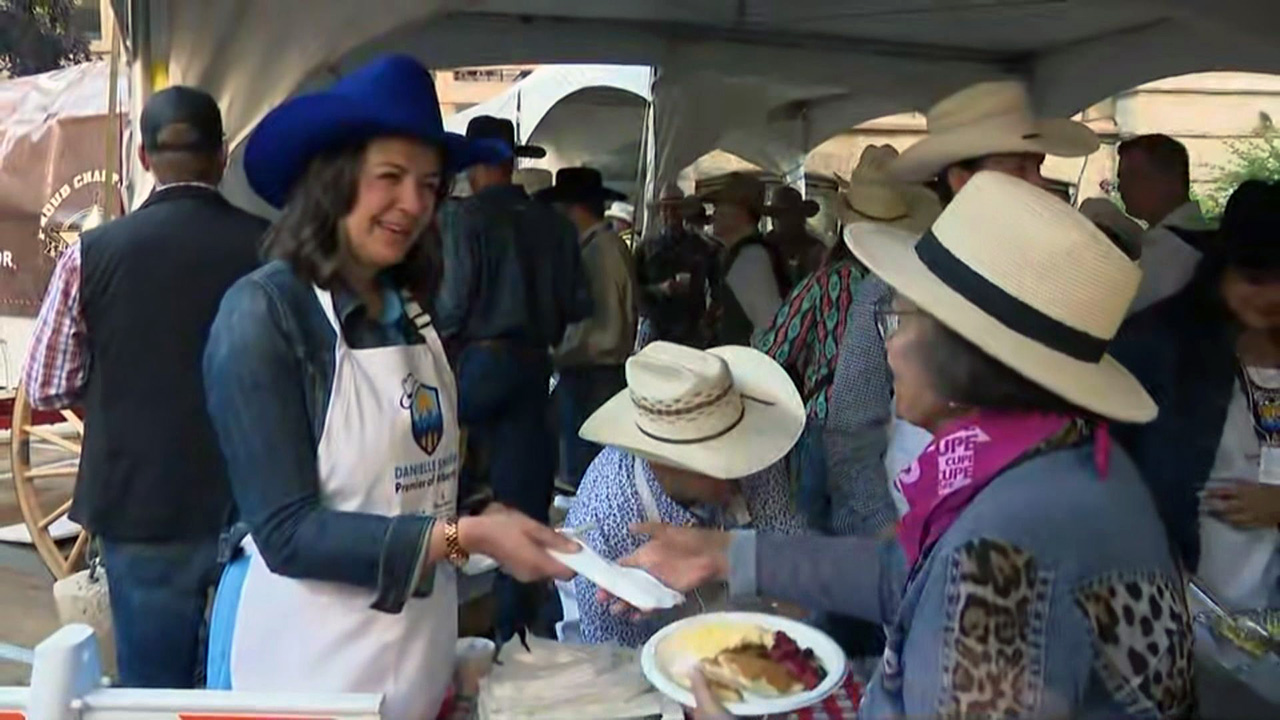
182	137
130	305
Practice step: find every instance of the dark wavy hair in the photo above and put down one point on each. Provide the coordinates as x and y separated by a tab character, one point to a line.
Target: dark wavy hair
307	236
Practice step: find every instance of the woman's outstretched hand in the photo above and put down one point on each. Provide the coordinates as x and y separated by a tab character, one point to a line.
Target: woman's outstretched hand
681	558
518	542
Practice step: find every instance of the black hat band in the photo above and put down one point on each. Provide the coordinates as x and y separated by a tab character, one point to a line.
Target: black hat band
1008	310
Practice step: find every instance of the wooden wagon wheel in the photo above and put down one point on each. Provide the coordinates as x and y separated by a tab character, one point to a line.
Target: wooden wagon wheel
44	490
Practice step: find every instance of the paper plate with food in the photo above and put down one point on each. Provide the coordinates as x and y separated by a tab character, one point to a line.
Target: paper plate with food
757	664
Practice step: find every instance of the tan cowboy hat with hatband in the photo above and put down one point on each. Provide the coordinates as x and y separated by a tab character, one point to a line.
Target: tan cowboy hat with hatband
726	412
738	189
871	195
990	118
1028	280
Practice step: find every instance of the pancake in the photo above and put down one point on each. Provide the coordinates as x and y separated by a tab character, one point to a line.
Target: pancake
679	654
752	671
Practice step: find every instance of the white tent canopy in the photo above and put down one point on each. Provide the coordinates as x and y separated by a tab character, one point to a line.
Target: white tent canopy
582	114
772	77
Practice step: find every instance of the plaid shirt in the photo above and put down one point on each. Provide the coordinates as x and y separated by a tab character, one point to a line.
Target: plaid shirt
57	364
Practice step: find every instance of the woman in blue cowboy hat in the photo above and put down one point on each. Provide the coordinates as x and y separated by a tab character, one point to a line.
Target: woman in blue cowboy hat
336	409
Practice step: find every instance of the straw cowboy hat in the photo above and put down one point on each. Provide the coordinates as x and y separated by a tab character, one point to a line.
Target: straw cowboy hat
671	194
391	95
872	195
788	201
726	412
738	189
532	180
626	212
990	118
1025	278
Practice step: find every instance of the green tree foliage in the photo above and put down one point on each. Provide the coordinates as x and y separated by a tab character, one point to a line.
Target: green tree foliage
1253	159
36	36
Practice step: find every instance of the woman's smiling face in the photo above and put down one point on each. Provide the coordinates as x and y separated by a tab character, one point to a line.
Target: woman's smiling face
396	196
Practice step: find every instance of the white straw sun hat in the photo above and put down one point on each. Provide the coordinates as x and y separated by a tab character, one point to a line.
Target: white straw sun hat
623	211
990	118
726	412
1028	280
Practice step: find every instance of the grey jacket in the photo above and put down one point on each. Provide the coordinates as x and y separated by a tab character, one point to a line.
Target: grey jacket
1054	594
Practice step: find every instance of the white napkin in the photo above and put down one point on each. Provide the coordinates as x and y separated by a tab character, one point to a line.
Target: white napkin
553	681
637	587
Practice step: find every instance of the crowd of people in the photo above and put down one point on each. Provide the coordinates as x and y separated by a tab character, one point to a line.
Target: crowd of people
981	438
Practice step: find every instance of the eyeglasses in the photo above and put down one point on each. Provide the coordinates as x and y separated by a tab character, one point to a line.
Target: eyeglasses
889	320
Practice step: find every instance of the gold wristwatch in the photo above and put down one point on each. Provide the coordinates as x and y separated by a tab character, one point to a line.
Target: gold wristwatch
452	546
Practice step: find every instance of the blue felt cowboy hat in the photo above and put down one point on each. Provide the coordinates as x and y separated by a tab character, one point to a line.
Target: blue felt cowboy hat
391	95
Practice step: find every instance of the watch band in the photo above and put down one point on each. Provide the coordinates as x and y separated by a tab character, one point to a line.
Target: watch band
452	546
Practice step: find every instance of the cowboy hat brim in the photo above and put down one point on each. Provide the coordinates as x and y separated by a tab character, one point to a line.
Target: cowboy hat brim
290	136
808	209
916	210
532	152
773	418
1104	388
1051	136
561	194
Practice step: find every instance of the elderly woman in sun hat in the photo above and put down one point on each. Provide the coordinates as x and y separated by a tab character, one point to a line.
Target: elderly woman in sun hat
1031	576
694	440
986	126
337	412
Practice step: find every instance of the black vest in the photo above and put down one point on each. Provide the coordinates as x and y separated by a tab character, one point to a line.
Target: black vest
734	327
151	283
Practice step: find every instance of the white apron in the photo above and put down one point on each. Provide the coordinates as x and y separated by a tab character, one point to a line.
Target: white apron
389	446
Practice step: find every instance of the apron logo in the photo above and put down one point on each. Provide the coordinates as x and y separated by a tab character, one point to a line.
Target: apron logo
426	415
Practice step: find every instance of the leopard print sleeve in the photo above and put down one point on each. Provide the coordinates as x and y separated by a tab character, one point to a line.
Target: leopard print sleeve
993	635
1019	639
1142	640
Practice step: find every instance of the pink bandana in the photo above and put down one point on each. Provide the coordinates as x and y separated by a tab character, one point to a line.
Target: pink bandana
962	460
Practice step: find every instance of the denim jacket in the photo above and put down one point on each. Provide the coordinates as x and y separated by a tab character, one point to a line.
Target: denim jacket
1053	594
268	371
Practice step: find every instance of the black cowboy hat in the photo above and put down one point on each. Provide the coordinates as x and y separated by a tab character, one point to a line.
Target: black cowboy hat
579	184
500	131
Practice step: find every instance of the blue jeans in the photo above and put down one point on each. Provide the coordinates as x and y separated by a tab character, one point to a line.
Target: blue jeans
159	593
580	392
502	400
808	465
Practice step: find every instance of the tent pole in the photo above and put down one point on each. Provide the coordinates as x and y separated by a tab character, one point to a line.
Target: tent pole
648	165
110	199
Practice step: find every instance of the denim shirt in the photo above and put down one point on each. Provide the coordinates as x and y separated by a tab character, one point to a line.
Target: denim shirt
1054	594
268	370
